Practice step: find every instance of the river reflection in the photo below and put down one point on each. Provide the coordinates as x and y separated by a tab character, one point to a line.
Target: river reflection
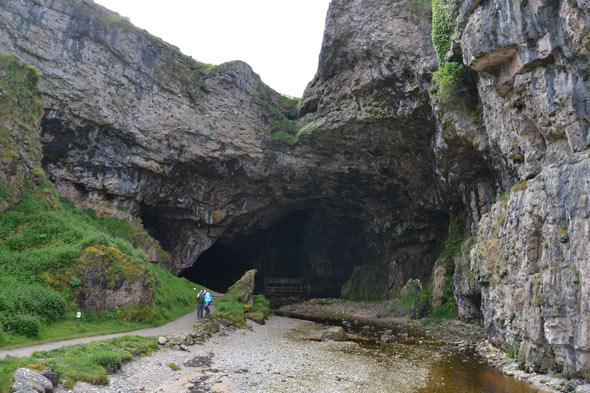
449	372
465	374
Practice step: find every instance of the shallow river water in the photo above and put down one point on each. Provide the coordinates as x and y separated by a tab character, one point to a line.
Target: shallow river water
450	372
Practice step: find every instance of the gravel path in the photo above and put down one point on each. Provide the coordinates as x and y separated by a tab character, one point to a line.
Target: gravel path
284	355
183	324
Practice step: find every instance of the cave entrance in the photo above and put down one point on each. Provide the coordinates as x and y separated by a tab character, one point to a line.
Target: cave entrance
311	246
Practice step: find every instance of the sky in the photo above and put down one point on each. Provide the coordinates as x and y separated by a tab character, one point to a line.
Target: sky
280	39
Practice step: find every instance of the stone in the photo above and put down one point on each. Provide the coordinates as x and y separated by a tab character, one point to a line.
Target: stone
335	333
245	287
582	389
52	376
25	379
162	340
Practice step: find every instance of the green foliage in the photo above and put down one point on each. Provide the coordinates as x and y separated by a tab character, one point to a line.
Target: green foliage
260	306
23	324
512	350
173	296
229	307
173	366
93	361
452	80
21	109
447	310
280	113
43	240
34	299
442	28
413	300
111	361
516	187
454	239
20	99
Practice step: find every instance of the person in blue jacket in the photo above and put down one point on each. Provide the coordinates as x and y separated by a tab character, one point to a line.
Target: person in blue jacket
200	303
208	300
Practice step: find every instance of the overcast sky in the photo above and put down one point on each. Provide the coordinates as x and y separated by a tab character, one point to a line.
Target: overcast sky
280	39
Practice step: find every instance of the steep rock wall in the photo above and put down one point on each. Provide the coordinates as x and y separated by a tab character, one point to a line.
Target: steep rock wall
205	154
528	257
20	117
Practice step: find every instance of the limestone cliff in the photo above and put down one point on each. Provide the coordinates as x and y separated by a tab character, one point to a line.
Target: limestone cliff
378	162
528	257
20	117
209	154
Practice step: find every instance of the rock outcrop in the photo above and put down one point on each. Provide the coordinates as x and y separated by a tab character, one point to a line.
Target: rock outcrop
209	155
20	118
524	269
30	380
206	154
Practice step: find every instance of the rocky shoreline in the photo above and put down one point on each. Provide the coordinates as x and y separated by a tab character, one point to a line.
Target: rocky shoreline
290	353
453	334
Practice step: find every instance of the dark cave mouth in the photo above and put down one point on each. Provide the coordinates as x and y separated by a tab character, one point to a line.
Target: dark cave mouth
307	253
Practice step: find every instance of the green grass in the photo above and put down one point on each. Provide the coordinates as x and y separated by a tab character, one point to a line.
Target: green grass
90	362
43	243
228	307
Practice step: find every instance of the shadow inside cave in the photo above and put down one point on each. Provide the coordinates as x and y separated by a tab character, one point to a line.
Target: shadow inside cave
308	245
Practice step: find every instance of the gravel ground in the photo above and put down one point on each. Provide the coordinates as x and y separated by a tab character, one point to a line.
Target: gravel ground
285	355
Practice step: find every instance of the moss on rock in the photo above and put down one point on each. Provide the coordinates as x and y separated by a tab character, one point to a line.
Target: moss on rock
21	110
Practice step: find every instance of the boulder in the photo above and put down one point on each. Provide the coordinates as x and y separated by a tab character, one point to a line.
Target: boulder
583	389
335	333
30	380
245	286
53	377
162	340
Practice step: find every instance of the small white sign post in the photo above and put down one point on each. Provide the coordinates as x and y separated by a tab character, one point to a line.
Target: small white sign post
78	317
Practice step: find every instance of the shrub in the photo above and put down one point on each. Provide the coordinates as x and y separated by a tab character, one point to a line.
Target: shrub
23	324
452	79
512	350
111	361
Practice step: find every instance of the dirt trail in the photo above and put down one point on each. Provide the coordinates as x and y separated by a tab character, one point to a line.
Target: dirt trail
183	324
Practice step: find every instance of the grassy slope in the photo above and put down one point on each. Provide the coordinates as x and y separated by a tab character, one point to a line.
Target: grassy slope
41	239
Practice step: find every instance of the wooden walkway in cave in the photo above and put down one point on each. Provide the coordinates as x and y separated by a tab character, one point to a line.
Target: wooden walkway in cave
304	286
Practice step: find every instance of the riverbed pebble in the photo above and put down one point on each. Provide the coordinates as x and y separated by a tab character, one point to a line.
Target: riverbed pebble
285	355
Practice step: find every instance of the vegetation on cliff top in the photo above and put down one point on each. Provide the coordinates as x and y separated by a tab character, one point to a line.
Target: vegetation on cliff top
280	113
44	242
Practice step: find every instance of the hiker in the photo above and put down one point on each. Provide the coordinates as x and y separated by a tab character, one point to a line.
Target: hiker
208	300
200	303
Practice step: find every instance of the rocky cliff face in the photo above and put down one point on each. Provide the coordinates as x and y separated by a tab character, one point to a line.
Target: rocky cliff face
528	258
369	166
20	116
208	154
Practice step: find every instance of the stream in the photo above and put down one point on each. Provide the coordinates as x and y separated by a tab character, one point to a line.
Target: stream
452	370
